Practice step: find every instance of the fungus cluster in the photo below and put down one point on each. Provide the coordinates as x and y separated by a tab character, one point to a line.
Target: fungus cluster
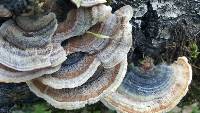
78	56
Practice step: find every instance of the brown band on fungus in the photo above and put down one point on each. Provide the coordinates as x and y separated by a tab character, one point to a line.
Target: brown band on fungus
83	66
89	43
103	82
69	22
80	20
72	74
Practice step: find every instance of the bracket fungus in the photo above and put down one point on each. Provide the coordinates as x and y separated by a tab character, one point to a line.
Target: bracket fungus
110	51
28	29
28	50
94	67
156	90
120	42
75	71
103	82
79	20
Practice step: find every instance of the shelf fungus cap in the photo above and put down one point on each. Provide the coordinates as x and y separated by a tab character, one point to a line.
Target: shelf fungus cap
89	43
36	23
155	91
79	20
110	51
120	40
30	59
74	72
87	3
28	32
102	83
8	75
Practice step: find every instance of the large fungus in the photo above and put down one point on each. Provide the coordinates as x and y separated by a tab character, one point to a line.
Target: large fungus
81	80
79	20
103	82
87	3
121	38
155	90
7	74
112	50
32	49
28	32
74	72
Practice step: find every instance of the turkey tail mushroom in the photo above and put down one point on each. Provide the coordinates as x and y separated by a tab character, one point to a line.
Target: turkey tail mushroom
153	91
26	29
56	57
75	71
32	49
102	83
79	20
87	3
30	59
120	40
110	51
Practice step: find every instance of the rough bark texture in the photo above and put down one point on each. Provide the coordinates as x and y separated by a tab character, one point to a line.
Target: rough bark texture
11	94
163	29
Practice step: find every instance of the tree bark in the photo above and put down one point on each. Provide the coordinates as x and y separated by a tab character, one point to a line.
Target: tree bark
11	94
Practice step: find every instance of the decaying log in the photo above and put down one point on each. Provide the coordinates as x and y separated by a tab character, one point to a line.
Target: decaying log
11	94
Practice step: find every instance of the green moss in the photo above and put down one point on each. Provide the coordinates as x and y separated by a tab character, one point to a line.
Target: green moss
194	51
109	2
44	107
195	109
